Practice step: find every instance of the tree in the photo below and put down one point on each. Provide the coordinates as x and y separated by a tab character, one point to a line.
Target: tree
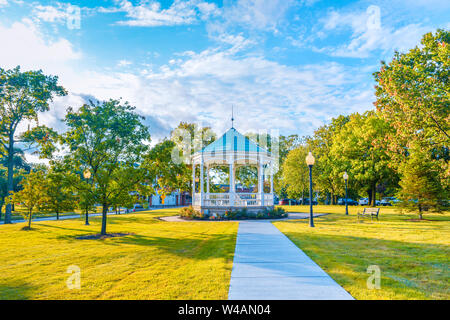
33	194
328	169
169	175
421	187
295	172
413	92
20	169
85	197
59	193
108	139
22	96
359	145
413	96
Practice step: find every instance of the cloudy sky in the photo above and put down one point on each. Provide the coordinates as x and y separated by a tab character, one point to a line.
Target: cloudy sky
283	64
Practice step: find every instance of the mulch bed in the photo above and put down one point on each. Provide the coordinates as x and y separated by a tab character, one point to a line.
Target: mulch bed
99	236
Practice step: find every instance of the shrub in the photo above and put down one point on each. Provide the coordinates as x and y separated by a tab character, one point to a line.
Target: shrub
189	213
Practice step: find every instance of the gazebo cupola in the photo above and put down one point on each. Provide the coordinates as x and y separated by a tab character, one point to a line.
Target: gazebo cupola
234	150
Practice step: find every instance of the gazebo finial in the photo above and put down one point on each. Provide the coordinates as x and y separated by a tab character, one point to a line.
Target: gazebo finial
232	116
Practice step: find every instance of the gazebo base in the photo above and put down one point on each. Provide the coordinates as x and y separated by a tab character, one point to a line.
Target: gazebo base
220	210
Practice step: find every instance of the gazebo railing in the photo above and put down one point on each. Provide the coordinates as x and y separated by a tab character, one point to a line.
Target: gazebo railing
233	199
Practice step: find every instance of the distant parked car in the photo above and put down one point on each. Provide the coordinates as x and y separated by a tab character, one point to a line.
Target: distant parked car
388	201
288	202
137	206
305	201
350	202
363	201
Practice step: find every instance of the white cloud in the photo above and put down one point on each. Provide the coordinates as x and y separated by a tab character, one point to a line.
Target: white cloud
124	63
369	34
3	3
256	14
150	13
50	13
28	48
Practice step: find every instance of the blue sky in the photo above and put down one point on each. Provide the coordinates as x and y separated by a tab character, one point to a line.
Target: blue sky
283	64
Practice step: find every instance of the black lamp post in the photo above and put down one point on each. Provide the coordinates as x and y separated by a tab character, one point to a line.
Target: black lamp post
310	162
87	176
346	197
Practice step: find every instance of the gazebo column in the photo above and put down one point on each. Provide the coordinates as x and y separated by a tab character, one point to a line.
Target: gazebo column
193	182
261	183
271	183
207	180
201	183
232	187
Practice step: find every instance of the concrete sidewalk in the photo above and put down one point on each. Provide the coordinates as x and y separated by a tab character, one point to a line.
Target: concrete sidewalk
267	265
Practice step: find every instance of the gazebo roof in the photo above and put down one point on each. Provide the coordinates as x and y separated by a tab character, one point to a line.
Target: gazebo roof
231	141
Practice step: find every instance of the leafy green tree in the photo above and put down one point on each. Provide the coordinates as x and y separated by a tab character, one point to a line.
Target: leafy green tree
328	169
123	199
22	96
33	194
85	195
413	96
413	93
169	175
295	172
108	139
21	169
421	186
60	195
359	145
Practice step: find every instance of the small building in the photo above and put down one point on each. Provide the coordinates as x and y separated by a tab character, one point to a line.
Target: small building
176	198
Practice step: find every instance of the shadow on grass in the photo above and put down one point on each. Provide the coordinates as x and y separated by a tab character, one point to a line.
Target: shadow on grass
15	290
207	247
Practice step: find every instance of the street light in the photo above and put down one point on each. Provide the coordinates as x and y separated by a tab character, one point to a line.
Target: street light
346	201
310	162
87	176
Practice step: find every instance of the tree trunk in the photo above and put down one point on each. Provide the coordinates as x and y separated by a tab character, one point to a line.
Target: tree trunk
374	195
29	219
104	216
1	210
57	215
420	212
87	217
10	182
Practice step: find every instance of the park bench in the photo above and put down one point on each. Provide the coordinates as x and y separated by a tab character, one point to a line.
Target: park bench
372	212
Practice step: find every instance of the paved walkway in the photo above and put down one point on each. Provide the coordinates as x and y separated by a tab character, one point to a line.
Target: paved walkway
269	266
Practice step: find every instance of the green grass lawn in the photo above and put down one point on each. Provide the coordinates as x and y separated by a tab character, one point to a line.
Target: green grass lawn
414	256
159	260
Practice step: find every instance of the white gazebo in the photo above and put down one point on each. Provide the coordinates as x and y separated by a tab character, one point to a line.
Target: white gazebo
234	150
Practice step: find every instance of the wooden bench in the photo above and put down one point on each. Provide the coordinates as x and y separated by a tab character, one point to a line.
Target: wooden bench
372	212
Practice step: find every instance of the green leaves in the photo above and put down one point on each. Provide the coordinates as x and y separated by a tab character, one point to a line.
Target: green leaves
413	93
108	139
